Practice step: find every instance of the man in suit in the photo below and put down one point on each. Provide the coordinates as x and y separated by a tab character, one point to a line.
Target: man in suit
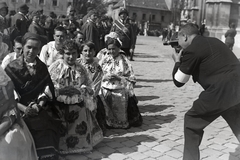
123	28
20	20
215	67
90	30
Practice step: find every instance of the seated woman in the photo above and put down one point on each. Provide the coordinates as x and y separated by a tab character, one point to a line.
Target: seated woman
31	78
74	96
95	72
117	93
15	139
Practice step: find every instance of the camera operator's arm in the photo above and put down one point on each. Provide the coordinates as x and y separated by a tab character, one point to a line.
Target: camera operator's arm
179	78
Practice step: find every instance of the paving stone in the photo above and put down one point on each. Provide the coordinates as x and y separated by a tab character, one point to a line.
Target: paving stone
126	150
217	147
150	144
153	154
117	156
95	155
142	148
138	156
165	157
129	143
114	144
106	150
170	143
174	153
231	145
161	148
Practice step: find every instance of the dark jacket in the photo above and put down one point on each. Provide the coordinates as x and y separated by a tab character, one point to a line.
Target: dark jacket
125	32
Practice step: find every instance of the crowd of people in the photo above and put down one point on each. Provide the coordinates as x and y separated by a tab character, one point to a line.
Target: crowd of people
64	82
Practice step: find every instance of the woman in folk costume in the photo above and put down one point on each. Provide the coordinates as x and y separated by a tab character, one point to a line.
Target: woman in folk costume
117	93
95	72
74	96
15	139
31	78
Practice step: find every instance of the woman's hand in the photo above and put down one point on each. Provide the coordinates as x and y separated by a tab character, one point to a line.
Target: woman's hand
31	110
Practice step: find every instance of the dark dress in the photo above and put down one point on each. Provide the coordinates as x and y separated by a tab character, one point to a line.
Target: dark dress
44	128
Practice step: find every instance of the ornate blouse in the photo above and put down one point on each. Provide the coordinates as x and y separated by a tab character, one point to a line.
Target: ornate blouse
119	66
68	81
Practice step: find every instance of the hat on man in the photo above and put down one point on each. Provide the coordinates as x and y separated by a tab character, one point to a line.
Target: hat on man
35	13
23	8
123	10
3	5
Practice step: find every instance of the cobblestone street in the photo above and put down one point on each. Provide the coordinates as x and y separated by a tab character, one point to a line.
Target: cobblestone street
162	106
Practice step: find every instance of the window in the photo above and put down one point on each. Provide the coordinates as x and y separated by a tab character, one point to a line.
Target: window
153	17
134	14
162	18
144	17
14	1
55	2
41	2
27	1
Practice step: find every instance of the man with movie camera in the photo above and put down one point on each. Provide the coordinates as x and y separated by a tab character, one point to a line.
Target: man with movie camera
215	67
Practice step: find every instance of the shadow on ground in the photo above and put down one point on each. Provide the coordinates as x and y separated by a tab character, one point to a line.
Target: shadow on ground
144	55
147	98
123	145
154	80
141	86
235	155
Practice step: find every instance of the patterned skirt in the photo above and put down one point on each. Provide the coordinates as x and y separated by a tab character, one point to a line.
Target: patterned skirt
82	130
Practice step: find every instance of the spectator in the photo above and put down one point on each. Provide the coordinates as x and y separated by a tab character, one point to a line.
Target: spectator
50	51
20	19
17	48
229	35
90	30
124	29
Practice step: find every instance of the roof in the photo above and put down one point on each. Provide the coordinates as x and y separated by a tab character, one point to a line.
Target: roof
151	4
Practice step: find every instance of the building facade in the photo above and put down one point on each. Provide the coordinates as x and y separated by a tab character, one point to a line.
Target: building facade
217	15
56	6
150	14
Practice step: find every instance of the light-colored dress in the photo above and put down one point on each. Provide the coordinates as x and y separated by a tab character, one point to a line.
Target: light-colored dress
75	103
16	143
115	94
